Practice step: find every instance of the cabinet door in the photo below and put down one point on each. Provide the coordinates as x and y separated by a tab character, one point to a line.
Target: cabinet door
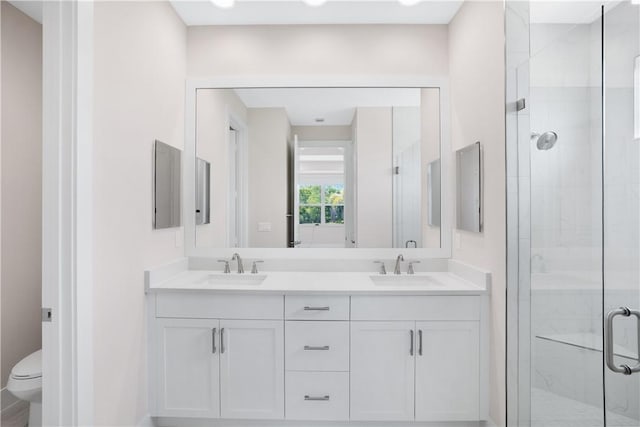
252	369
187	368
447	371
382	370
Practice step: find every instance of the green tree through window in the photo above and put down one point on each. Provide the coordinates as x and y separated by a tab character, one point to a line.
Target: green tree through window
321	204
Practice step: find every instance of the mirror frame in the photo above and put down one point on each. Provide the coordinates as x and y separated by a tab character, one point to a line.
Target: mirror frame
446	156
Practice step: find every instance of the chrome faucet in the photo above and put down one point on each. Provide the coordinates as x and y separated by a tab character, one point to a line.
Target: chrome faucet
383	269
236	257
398	260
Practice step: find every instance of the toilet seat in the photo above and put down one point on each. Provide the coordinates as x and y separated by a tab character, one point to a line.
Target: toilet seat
28	368
25	380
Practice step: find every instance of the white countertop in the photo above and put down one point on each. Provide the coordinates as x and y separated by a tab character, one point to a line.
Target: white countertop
431	283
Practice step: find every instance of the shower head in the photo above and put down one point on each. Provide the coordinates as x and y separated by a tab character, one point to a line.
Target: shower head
546	141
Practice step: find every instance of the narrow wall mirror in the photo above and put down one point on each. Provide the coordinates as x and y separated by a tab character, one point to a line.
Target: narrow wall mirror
433	193
468	188
167	183
203	192
320	167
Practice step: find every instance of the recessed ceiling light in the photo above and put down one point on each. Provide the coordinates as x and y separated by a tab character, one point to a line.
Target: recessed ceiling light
224	4
315	3
409	2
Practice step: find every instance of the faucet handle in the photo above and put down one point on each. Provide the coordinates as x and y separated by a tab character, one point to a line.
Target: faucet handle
227	270
254	267
383	269
410	268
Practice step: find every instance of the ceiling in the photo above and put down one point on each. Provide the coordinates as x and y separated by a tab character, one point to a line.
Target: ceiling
335	105
32	9
255	12
568	12
280	12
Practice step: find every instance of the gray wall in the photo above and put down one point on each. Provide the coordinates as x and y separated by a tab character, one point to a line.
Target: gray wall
21	179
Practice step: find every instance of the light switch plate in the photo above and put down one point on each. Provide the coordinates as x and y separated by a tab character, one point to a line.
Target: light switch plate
264	226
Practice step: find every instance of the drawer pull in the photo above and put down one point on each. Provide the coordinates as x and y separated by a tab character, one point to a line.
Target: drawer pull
308	308
317	398
312	347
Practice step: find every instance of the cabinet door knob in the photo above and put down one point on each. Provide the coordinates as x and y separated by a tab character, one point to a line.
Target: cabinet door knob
213	340
419	342
222	341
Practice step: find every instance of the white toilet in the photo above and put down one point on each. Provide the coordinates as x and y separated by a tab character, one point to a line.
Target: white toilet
25	383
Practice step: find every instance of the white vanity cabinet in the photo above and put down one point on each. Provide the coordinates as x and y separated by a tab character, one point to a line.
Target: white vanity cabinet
252	369
382	371
329	358
187	352
227	363
415	358
447	371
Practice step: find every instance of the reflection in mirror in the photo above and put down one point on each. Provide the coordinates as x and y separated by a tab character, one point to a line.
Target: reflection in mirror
203	191
468	183
320	167
433	193
166	186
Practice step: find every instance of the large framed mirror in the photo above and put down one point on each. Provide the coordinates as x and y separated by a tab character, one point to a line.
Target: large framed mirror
332	168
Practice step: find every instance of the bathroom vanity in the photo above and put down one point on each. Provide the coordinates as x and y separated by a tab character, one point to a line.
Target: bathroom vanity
318	346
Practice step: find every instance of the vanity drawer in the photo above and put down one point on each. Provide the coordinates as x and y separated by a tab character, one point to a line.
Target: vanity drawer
415	308
316	307
317	396
197	305
317	346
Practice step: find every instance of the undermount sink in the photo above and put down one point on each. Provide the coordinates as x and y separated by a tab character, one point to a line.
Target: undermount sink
235	279
405	280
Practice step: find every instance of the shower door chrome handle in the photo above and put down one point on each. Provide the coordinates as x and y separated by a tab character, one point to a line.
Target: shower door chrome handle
609	353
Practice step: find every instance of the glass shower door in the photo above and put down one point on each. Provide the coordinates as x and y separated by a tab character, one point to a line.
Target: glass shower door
621	214
564	146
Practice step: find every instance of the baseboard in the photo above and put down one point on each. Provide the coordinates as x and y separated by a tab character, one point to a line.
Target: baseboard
10	405
146	421
198	422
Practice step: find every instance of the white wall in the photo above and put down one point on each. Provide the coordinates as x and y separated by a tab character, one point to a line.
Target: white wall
269	132
21	285
374	151
212	145
318	50
139	72
476	64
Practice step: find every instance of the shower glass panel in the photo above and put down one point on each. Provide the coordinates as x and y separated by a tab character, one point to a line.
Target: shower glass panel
579	138
565	153
622	208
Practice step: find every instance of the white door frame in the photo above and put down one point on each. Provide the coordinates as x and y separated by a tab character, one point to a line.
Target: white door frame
242	180
67	246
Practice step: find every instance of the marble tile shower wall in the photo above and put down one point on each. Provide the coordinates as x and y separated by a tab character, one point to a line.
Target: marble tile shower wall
566	224
566	215
566	220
